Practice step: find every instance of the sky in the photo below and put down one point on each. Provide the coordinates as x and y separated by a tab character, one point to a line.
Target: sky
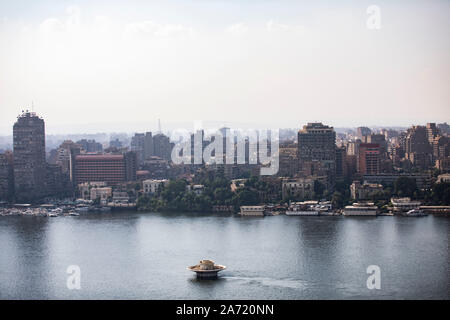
111	66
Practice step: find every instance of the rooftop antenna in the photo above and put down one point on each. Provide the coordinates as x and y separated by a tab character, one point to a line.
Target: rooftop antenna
159	125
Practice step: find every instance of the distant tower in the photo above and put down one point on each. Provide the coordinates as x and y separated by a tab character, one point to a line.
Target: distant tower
29	157
159	125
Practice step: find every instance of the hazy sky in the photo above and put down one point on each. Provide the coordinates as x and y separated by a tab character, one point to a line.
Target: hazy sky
121	65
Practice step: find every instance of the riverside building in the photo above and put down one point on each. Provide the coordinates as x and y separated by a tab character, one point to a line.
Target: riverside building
29	157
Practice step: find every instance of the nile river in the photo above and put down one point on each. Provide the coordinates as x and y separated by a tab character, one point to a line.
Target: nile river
144	256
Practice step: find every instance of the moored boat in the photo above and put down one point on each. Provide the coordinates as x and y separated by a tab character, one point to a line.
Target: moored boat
415	213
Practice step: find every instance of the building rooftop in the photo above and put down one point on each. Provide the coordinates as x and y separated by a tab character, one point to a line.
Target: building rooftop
99	157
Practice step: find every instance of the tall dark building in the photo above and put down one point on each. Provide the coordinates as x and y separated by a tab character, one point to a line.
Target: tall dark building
148	145
29	157
162	146
130	166
137	146
142	145
418	149
6	176
341	169
317	144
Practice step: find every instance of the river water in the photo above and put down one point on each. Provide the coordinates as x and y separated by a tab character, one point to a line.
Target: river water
144	256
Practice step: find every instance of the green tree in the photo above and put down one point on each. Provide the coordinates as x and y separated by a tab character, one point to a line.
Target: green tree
97	201
221	195
319	189
440	194
246	197
405	187
337	200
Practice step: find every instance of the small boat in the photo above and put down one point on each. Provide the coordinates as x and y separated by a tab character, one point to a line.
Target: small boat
52	214
82	209
73	213
415	213
302	213
207	269
301	209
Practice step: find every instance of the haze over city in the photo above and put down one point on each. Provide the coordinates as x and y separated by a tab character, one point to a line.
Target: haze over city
102	66
232	156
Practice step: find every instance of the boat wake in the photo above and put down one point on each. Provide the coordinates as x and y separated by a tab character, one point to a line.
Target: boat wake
270	282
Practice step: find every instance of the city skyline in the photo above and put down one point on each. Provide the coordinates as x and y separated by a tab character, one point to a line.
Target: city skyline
210	126
301	148
315	62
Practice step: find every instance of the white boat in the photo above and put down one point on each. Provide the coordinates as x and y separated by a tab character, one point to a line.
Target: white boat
415	213
302	213
252	211
55	212
326	213
73	213
361	209
82	209
302	209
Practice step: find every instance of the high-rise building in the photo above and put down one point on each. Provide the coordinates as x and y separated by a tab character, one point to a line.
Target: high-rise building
441	147
142	145
137	146
389	133
363	131
6	176
65	156
432	132
444	128
288	160
148	145
131	166
317	143
29	157
162	146
417	147
368	161
341	168
352	147
110	168
90	146
379	139
350	164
